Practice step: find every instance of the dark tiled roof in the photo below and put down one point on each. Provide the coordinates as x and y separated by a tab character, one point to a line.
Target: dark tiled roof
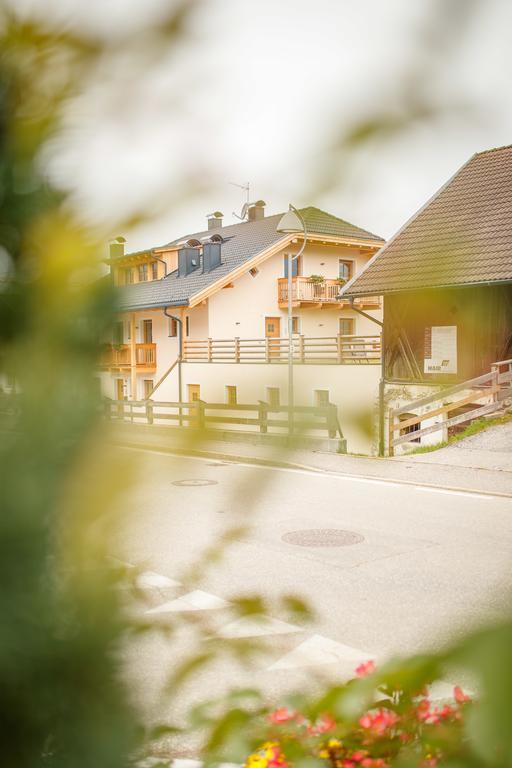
241	243
462	236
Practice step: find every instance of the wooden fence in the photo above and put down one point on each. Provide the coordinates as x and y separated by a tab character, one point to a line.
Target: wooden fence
335	350
259	417
496	385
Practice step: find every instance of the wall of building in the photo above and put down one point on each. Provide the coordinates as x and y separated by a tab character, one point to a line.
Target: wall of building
353	388
242	309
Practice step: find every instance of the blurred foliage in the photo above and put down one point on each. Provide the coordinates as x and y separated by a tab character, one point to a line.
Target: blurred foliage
62	699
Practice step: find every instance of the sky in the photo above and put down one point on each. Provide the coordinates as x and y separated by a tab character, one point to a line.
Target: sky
268	93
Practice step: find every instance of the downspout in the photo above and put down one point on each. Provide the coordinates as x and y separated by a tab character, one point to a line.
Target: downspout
382	381
179	321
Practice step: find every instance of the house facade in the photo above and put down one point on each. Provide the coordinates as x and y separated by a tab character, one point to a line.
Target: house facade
205	316
446	283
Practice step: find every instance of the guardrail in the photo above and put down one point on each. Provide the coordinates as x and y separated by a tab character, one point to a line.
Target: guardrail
309	291
259	417
323	350
496	384
119	356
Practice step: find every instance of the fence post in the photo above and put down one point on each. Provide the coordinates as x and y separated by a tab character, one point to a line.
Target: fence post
263	416
237	349
149	411
209	350
495	370
302	354
391	432
332	420
267	349
200	414
339	348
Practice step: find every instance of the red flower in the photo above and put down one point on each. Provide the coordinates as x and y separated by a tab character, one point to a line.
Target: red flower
366	668
282	715
459	695
379	722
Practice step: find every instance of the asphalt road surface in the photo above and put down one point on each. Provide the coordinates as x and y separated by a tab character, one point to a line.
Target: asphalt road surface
387	569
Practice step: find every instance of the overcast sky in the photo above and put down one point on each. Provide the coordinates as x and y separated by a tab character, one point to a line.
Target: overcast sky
260	88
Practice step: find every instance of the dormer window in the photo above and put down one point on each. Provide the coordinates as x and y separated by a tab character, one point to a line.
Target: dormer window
154	270
143	273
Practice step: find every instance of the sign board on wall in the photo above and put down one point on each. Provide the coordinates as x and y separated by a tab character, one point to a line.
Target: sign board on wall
440	352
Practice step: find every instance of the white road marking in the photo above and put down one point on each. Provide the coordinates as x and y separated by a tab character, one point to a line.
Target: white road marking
257	626
405	484
152	580
192	601
320	650
457	493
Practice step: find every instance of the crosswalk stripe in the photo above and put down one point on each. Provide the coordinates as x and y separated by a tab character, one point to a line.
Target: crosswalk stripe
192	601
257	626
153	580
318	650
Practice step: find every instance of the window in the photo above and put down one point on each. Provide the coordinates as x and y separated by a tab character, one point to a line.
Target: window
274	397
154	270
148	388
143	273
194	393
231	395
347	326
321	397
345	269
187	326
147	331
295	324
296	266
127	276
411	428
173	327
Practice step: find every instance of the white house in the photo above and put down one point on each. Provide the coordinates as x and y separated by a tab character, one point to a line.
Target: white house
226	289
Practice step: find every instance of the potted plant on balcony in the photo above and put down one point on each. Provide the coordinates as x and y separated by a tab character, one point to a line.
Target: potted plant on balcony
318	282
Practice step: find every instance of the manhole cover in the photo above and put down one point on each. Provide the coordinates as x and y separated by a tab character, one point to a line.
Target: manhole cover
194	482
322	537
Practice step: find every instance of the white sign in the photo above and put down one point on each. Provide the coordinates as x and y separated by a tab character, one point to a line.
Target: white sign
440	355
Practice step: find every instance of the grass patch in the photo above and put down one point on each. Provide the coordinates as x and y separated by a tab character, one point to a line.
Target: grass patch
472	429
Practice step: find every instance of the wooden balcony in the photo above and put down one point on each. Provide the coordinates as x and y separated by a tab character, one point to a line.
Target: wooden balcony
309	293
119	357
318	350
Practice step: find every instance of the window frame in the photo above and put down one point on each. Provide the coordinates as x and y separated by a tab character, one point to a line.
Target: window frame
317	398
352	322
143	270
154	270
349	263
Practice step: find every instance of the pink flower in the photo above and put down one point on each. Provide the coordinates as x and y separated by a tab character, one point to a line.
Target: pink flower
366	668
459	695
325	723
282	715
379	722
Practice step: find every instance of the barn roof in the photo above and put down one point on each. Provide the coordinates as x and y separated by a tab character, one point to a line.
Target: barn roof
461	236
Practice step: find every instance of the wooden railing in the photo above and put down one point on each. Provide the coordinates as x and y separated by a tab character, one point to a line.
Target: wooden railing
258	417
322	350
120	356
494	386
304	289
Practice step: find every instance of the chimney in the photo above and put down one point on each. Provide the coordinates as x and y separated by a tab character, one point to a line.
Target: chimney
256	211
116	247
215	220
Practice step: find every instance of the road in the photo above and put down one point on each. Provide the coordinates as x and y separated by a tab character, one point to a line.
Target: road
417	566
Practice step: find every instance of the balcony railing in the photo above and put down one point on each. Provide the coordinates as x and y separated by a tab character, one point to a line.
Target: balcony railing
119	356
326	350
307	291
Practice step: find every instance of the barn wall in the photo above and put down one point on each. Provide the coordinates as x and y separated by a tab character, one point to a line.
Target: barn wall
482	314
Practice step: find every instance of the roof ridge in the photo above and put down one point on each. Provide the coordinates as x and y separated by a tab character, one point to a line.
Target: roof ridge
493	149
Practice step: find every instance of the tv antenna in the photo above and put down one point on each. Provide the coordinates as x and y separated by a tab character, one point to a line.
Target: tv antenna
247	190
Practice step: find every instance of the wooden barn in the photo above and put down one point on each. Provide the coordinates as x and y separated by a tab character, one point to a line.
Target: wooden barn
446	279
